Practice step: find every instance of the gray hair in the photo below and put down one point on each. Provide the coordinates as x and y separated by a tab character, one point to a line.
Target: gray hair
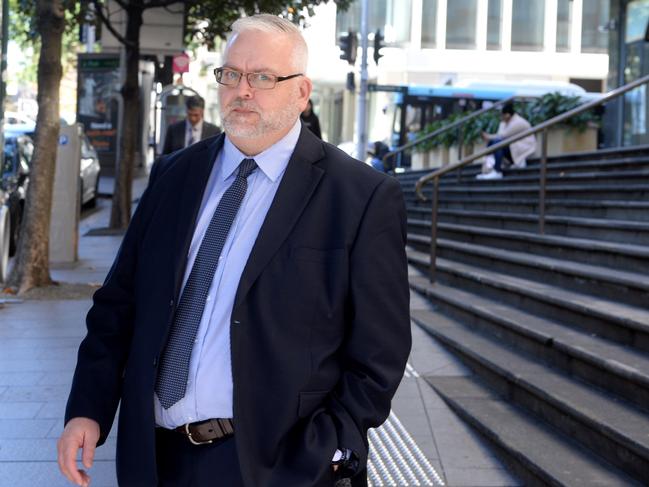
272	24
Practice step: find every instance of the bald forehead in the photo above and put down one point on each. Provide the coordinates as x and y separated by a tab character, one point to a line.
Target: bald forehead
266	50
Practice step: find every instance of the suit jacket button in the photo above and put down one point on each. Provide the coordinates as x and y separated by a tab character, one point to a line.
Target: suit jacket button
171	303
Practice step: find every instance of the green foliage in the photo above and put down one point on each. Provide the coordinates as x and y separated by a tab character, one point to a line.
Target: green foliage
536	111
208	21
22	30
552	104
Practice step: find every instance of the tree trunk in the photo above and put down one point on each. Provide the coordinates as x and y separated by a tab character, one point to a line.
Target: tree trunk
121	210
32	264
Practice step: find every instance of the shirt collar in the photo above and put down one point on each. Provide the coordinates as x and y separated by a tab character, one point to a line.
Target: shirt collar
272	161
195	128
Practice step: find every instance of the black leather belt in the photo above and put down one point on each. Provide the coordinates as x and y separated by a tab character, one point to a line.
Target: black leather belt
204	432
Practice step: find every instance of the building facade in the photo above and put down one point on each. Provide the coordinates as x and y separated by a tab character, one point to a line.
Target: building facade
445	42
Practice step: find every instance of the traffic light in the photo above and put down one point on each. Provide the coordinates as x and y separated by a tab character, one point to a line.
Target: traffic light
348	46
378	44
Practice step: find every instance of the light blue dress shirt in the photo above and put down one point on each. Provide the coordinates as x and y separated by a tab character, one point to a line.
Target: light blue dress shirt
209	388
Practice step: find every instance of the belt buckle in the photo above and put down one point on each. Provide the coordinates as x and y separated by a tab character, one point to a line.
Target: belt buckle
192	440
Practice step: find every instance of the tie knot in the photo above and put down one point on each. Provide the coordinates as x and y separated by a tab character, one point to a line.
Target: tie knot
246	167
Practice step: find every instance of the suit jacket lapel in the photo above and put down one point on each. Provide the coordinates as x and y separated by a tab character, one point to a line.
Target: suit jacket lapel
298	183
198	172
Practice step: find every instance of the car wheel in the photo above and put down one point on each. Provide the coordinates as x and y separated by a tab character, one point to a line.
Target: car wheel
4	243
92	203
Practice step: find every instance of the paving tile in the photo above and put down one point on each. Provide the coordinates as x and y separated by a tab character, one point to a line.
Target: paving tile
25	428
46	474
39	449
20	410
480	477
35	393
52	410
20	378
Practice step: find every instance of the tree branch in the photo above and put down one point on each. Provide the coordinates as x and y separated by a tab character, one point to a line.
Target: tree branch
106	21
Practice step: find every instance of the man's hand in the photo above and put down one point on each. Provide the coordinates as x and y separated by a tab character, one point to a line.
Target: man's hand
78	433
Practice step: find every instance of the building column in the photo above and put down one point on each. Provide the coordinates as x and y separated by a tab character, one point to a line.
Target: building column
550	30
440	36
416	21
575	28
507	26
482	19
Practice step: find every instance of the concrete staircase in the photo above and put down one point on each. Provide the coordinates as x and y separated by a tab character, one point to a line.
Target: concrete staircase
555	326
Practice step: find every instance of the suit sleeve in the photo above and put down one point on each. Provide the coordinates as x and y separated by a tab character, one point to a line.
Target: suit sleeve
378	339
97	382
168	145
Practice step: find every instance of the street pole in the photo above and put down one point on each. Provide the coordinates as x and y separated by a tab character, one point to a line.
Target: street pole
361	112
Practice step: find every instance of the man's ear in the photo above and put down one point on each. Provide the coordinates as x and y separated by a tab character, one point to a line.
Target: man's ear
305	87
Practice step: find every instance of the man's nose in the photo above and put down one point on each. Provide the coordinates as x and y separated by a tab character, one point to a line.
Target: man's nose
244	90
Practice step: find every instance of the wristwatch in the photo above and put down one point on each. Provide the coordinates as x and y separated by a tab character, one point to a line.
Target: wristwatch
347	463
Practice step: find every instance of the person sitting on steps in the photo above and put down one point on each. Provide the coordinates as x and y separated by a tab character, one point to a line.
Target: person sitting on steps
517	152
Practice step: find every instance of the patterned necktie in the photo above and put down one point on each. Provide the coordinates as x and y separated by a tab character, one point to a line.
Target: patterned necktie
190	141
174	364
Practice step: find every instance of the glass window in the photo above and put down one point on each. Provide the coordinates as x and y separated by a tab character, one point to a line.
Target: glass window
637	14
528	22
494	24
461	20
564	20
393	17
595	15
429	23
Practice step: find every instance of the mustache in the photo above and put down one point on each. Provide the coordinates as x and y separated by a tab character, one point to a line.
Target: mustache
243	104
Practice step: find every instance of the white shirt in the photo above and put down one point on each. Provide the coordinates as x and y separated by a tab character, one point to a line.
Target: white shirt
193	132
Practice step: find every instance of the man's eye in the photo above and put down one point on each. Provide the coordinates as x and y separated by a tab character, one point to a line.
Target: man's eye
230	75
264	77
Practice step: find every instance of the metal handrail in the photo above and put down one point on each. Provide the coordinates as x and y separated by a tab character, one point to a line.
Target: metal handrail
542	127
446	128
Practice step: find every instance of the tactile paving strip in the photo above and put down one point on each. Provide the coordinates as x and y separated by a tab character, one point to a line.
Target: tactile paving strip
394	459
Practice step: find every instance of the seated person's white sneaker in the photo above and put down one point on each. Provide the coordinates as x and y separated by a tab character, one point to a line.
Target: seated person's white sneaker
520	164
490	175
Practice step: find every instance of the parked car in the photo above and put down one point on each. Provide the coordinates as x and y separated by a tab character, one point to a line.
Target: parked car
89	167
14	180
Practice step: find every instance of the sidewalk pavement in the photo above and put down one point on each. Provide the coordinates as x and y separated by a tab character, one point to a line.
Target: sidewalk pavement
38	344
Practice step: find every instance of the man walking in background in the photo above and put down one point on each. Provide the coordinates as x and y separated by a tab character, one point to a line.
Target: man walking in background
192	129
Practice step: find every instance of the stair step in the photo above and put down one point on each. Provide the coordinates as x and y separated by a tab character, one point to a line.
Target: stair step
616	255
617	315
537	454
605	230
608	365
614	429
624	286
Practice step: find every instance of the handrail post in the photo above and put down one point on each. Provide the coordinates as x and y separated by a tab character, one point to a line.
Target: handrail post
543	180
433	230
460	143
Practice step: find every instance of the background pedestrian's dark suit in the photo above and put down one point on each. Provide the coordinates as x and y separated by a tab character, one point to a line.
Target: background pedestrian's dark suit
320	329
312	122
175	137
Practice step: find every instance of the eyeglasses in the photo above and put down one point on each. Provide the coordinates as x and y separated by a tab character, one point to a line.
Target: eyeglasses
260	81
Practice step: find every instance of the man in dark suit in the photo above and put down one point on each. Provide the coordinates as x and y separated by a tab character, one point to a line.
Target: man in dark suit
191	130
255	322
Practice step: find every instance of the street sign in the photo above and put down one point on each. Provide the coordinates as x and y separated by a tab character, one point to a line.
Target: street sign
181	63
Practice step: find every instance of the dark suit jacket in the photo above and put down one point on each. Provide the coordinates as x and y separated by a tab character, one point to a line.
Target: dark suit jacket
175	137
320	329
